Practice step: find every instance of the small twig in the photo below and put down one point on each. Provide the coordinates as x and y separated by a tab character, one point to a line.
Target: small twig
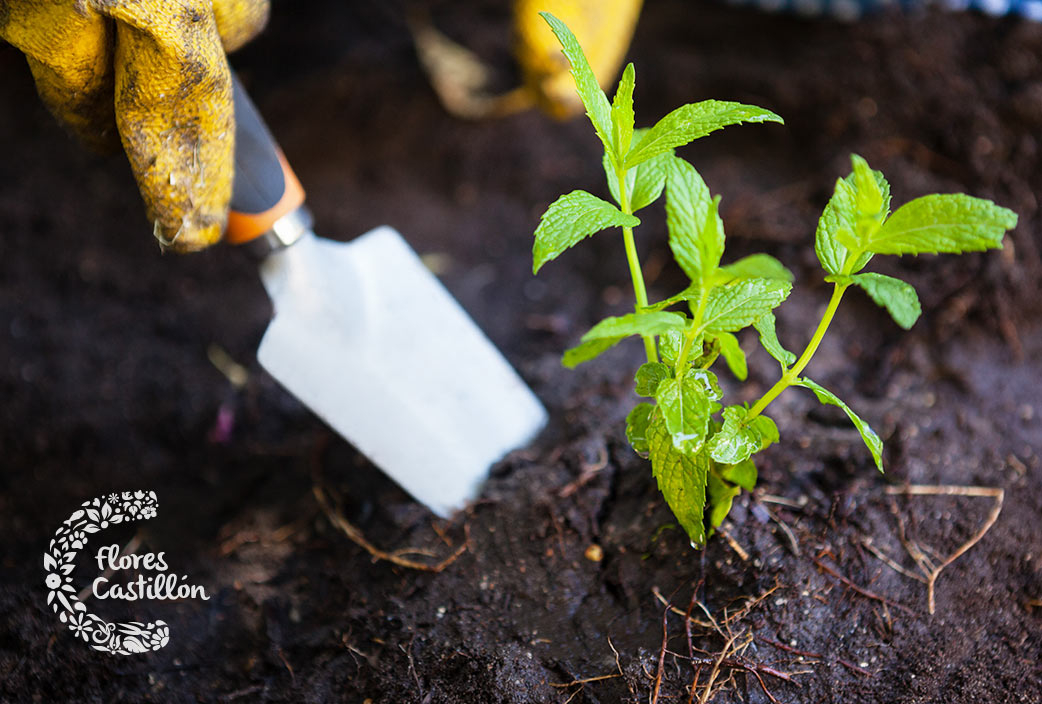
347	528
861	590
690	643
716	670
240	693
913	550
788	648
854	668
661	655
412	665
678	612
751	603
587	471
282	657
782	500
734	544
793	544
890	562
618	666
585	680
809	654
950	490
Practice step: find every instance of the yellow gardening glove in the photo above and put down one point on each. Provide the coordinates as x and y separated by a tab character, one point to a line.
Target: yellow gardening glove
604	28
156	71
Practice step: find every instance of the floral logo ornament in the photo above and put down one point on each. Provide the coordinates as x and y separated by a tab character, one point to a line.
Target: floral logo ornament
59	563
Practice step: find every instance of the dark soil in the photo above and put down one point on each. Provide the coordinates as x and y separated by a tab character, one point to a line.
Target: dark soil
106	386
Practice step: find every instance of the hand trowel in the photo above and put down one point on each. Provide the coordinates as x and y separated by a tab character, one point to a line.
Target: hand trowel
369	339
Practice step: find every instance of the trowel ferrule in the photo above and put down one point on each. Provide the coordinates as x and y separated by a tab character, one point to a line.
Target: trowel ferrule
284	232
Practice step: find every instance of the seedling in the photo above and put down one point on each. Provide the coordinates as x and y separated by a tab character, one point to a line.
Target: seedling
701	450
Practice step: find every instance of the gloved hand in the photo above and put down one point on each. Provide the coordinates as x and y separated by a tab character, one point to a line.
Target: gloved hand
603	27
155	70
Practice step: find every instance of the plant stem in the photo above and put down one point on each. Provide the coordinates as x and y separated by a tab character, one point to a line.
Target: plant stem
793	372
639	291
691	333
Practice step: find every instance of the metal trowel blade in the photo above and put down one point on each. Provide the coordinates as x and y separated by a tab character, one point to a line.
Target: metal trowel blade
370	340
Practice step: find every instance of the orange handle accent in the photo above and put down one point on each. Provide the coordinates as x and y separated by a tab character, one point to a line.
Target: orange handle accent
243	227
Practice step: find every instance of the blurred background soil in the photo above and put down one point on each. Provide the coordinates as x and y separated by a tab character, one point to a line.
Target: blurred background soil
106	385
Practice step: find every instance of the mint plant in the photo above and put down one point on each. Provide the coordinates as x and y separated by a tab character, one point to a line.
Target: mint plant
700	449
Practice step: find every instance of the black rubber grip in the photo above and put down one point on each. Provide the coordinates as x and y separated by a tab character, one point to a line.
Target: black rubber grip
259	182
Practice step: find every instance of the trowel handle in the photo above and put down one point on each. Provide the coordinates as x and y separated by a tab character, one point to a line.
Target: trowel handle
265	189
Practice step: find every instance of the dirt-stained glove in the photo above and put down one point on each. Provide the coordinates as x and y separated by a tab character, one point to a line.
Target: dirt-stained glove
156	71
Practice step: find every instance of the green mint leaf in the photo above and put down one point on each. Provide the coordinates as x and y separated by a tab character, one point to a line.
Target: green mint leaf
743	474
872	441
848	220
622	112
649	376
837	216
681	479
588	350
869	195
765	325
733	355
650	181
689	122
685	411
720	495
696	233
593	99
669	345
649	324
756	266
738	305
943	223
738	440
644	182
570	219
637	422
898	297
708	381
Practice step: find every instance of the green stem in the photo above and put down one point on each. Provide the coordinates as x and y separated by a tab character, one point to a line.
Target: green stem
691	333
793	373
639	291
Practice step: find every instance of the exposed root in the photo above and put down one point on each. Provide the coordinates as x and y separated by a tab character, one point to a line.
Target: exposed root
932	567
715	671
336	517
728	659
701	624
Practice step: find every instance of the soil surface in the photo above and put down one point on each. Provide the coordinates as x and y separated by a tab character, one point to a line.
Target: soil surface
106	385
